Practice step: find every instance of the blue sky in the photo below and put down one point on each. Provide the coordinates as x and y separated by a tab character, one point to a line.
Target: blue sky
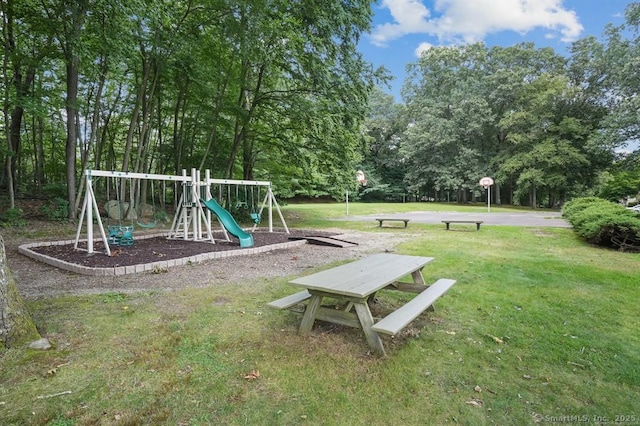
401	28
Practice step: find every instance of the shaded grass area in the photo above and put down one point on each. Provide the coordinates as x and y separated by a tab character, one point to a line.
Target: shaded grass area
539	326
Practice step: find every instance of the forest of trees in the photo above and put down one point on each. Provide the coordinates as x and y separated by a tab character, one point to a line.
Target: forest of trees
271	90
545	126
277	90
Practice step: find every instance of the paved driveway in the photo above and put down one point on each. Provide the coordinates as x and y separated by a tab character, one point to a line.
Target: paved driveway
546	219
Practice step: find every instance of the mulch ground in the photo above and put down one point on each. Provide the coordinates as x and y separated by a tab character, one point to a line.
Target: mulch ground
148	250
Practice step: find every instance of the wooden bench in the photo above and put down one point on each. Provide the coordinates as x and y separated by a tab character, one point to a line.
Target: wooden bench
477	222
398	319
406	221
289	301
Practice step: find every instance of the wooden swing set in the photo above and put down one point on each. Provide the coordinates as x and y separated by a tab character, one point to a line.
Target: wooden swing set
187	209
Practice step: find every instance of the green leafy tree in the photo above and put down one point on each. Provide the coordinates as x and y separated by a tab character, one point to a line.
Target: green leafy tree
518	114
444	142
623	181
620	58
383	162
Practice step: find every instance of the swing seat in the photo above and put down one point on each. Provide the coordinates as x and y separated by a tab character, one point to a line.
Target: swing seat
256	218
120	235
113	238
147	225
242	205
147	212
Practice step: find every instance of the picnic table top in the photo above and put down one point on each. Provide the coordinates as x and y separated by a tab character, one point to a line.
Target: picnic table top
363	277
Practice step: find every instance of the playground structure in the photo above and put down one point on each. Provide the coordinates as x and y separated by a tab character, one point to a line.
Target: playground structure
192	220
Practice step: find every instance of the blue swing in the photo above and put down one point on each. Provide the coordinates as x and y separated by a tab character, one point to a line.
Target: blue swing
255	213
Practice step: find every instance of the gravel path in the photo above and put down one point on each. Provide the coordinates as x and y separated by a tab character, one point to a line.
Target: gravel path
542	218
38	280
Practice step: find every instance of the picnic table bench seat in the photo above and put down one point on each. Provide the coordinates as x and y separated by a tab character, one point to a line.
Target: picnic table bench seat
289	301
392	219
401	317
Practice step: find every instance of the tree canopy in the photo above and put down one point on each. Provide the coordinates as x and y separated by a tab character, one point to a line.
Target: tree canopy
158	86
545	126
277	90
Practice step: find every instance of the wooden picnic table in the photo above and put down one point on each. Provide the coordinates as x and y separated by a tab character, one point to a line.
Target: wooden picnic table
357	282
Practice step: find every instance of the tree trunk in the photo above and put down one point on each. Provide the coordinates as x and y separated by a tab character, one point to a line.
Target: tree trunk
38	149
7	34
16	325
70	150
87	147
534	200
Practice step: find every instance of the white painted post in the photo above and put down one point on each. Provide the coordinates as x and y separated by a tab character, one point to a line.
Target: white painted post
207	179
89	206
186	196
196	199
270	209
99	220
194	210
347	202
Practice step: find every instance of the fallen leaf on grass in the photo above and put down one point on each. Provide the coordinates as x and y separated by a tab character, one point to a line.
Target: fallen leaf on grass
453	333
495	339
475	402
253	375
51	372
477	389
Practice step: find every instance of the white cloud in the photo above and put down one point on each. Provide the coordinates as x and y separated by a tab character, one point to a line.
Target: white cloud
423	47
471	20
410	17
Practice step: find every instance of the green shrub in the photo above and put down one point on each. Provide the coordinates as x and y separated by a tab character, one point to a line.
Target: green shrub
56	209
56	190
604	223
12	217
578	204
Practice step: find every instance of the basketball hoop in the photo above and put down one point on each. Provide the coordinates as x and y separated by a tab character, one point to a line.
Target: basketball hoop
360	178
486	182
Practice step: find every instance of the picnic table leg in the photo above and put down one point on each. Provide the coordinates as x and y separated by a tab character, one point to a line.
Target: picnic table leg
477	226
417	277
366	321
310	314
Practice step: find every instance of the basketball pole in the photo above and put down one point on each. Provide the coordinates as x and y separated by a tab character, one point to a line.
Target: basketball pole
488	198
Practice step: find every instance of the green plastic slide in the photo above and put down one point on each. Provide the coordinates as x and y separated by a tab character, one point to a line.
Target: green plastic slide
230	224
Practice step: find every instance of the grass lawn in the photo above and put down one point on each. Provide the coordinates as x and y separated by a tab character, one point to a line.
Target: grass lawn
539	328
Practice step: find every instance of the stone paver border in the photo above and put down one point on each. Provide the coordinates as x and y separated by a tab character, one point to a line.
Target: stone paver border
25	249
